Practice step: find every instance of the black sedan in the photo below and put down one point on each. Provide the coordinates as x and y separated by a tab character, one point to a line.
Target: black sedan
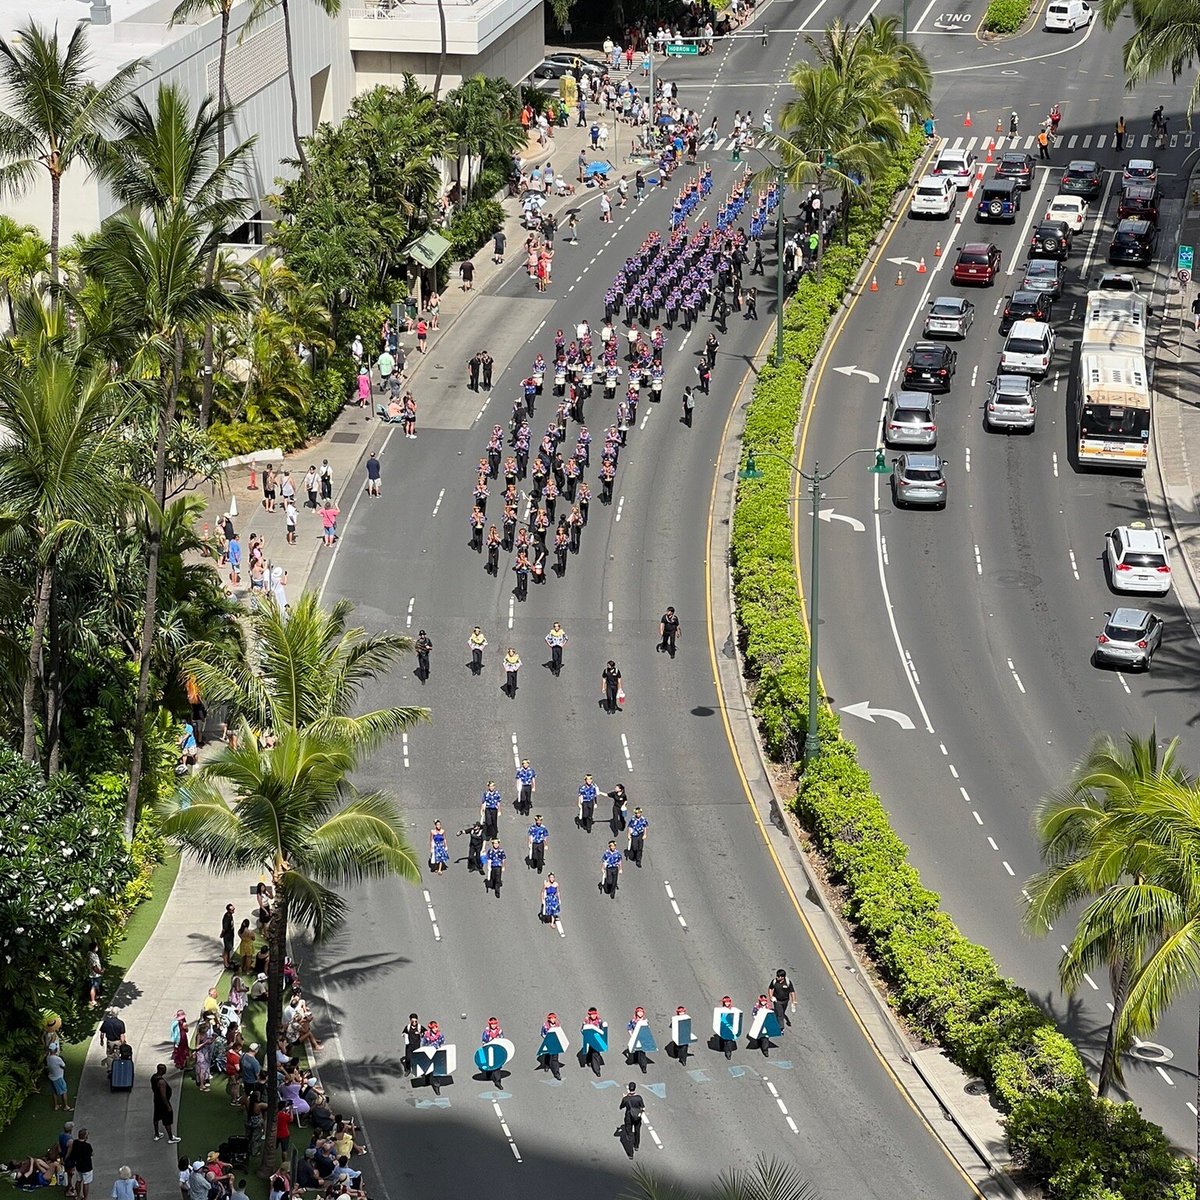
1017	166
930	367
1135	243
1025	305
1050	239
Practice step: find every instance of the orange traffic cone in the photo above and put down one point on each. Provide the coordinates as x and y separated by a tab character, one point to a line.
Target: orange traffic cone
899	278
999	126
967	122
921	266
991	147
874	283
937	250
253	484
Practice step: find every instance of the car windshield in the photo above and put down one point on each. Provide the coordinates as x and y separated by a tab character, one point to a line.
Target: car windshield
929	190
1140	170
922	474
1010	161
972	259
911	416
1143	559
1127	237
927	358
1011	390
1124	633
1042	267
945	308
1025	346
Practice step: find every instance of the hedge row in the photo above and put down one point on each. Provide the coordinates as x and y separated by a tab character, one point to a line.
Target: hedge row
950	991
1006	16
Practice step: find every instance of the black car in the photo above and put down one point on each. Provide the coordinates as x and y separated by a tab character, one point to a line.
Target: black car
1082	178
930	367
1134	243
1016	166
1050	239
1139	200
1026	306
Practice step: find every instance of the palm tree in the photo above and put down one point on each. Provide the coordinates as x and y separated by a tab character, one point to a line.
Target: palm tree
1093	839
1166	38
302	680
291	814
482	116
437	79
259	9
768	1179
60	467
23	258
832	136
53	114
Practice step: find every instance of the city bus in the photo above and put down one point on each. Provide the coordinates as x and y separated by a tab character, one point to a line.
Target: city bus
1113	410
1114	321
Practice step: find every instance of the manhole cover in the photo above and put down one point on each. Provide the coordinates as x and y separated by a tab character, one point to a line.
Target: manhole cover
345	438
975	1087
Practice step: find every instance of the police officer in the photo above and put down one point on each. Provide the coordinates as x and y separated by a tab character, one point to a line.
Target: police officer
491	1032
668	629
412	1039
424	647
489	810
620	802
610	870
474	847
637	837
550	1062
495	868
710	350
610	678
526	784
587	803
539	835
556	639
633	1106
782	993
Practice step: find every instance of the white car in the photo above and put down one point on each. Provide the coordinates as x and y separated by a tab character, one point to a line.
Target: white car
1068	14
1070	209
934	197
1139	170
1117	281
960	165
1028	349
1137	560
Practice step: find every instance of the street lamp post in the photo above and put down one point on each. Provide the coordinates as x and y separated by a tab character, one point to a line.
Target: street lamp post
812	736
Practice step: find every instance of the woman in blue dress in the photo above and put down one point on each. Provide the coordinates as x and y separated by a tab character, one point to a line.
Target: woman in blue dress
439	854
551	904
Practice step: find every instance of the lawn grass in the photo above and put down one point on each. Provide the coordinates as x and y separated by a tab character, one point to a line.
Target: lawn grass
36	1126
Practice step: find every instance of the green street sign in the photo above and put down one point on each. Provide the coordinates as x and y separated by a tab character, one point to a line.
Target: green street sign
682	48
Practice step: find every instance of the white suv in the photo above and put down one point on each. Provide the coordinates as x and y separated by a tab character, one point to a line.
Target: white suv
959	165
934	197
1028	350
1137	561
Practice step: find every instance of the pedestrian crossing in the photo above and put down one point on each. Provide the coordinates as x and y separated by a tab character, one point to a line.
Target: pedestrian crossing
1073	141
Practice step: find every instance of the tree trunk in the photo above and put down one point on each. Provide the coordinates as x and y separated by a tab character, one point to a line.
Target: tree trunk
166	421
291	74
33	670
437	83
54	691
55	219
1196	1164
277	944
1110	1067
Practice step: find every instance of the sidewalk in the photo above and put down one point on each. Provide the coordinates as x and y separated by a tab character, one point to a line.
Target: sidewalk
182	958
1173	481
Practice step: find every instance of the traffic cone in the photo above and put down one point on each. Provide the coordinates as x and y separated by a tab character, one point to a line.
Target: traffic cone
999	125
899	277
874	283
967	122
921	266
253	484
937	250
991	147
205	535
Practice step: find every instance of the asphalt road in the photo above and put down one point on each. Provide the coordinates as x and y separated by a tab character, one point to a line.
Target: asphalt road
707	915
977	623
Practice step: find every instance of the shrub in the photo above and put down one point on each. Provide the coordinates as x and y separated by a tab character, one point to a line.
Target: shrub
330	390
472	227
948	989
247	437
1006	16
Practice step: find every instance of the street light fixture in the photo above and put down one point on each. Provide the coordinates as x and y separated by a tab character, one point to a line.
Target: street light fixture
812	737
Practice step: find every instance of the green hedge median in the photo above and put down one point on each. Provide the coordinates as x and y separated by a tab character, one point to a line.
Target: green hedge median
949	991
1006	16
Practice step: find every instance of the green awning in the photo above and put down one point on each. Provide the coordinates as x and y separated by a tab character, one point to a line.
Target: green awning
428	250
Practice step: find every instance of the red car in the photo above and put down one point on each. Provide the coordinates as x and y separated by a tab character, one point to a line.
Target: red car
977	262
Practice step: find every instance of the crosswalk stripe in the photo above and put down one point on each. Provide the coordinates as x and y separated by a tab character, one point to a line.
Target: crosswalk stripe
1145	140
1029	142
958	144
1087	141
1101	140
1174	140
1072	140
719	144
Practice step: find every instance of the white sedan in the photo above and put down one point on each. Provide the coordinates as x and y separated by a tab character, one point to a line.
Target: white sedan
1071	209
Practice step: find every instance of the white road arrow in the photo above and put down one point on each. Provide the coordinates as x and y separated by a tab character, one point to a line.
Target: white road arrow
827	515
905	262
869	376
863	709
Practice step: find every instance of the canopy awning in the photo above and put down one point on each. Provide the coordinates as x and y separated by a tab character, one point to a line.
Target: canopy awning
428	250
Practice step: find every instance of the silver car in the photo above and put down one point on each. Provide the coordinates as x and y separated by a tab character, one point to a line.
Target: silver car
1010	403
1130	638
949	316
919	480
910	419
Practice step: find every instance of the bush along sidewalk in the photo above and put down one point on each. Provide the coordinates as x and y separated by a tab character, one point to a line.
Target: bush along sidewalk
1006	16
1074	1145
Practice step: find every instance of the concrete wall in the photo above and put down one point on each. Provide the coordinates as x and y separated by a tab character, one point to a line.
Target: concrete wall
512	55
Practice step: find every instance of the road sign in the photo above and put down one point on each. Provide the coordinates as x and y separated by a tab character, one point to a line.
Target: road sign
682	48
1183	275
1183	261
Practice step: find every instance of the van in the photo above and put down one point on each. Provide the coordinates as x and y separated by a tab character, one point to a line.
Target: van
1068	15
1028	349
999	200
911	419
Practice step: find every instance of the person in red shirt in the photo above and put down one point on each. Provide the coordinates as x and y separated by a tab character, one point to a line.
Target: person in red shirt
283	1130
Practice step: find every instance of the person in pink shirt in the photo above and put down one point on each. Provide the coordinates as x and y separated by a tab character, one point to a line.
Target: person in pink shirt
364	388
329	516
